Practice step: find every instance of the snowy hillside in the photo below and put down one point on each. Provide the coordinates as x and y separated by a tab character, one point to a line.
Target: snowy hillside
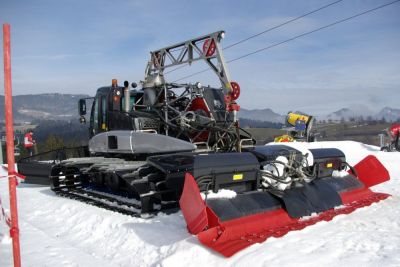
355	112
63	232
53	106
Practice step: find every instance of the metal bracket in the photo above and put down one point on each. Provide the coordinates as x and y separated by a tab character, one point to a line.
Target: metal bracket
206	47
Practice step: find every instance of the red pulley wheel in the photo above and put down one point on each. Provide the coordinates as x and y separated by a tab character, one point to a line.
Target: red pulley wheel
209	47
235	90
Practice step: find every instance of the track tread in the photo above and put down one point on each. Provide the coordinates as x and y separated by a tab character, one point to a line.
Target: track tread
97	199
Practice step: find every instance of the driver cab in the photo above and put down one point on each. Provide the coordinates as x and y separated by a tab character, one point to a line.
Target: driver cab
108	109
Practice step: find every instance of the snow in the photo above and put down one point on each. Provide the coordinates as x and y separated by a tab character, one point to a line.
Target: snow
222	193
63	232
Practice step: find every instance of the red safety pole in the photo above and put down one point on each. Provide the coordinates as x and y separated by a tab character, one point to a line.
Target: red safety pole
12	179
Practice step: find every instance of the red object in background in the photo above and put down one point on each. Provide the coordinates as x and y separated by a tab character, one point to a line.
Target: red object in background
28	140
394	129
229	237
12	180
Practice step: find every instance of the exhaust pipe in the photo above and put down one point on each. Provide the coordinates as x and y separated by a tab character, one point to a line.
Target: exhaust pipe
127	97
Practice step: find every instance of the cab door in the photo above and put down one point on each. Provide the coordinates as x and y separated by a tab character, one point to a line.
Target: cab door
94	118
103	120
98	115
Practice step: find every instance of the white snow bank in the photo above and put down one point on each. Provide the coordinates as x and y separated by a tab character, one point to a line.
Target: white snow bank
63	232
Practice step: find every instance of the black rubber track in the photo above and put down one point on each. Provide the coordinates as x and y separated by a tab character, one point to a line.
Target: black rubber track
116	205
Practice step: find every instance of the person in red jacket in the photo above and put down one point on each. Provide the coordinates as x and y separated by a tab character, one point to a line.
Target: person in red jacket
395	135
29	142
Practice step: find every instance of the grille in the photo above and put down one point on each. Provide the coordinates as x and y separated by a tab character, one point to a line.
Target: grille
147	123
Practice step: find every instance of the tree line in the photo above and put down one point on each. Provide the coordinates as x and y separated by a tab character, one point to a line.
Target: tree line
51	134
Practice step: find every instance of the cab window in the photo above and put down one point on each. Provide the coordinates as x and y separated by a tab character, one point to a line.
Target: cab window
131	102
103	113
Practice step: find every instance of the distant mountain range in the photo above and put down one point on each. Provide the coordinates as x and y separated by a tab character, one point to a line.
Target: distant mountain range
27	108
261	115
387	113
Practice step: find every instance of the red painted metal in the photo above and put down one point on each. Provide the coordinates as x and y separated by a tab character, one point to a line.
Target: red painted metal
193	206
371	171
14	231
199	105
235	90
209	47
231	236
230	98
233	107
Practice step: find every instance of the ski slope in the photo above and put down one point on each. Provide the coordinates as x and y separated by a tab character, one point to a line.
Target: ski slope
63	232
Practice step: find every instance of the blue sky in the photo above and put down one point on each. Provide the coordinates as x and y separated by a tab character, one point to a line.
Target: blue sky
76	46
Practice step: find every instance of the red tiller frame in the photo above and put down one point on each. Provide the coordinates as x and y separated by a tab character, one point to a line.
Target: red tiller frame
12	179
229	237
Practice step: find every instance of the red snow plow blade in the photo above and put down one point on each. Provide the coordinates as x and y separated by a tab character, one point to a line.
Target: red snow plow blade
221	226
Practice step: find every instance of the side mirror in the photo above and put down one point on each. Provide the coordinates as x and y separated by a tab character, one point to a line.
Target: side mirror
82	119
82	107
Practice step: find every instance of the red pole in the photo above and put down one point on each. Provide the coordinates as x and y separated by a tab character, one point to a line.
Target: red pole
12	180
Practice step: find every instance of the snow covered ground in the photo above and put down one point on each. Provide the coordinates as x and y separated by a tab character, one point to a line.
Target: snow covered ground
63	232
